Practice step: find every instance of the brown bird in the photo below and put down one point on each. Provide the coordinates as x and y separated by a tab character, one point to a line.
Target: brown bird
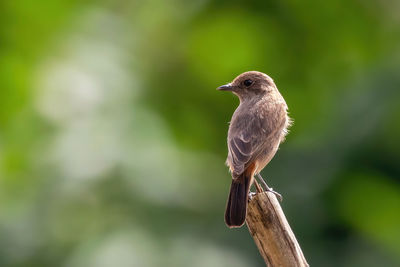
259	124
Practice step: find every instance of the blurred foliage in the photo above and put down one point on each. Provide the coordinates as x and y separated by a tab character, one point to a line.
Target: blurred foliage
112	136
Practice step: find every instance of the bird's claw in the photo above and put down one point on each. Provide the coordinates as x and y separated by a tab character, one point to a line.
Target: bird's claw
278	196
251	195
269	189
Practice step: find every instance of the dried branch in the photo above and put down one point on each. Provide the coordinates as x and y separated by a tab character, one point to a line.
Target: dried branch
271	232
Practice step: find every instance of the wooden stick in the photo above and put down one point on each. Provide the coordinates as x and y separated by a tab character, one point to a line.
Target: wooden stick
271	232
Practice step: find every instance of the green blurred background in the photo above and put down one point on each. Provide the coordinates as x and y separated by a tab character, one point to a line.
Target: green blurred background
113	137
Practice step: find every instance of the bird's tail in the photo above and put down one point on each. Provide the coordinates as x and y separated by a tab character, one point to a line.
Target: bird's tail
236	207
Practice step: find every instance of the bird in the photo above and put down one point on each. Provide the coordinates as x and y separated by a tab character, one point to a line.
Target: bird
257	128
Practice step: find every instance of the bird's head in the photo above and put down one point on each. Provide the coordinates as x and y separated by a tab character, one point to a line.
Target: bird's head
249	85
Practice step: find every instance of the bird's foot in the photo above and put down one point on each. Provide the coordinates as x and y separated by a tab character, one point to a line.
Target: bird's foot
279	196
251	195
269	189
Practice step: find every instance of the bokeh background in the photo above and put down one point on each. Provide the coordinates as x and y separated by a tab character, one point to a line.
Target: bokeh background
112	135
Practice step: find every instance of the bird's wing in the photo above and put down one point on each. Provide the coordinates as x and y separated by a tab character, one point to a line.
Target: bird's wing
248	138
240	151
244	145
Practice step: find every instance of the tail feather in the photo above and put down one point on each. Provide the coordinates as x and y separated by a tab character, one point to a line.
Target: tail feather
236	207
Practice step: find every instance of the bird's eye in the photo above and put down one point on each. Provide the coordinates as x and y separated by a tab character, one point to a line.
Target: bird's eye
248	83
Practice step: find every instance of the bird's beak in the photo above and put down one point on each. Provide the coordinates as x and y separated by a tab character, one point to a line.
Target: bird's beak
226	87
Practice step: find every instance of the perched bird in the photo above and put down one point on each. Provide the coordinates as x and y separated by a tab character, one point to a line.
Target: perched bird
258	125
